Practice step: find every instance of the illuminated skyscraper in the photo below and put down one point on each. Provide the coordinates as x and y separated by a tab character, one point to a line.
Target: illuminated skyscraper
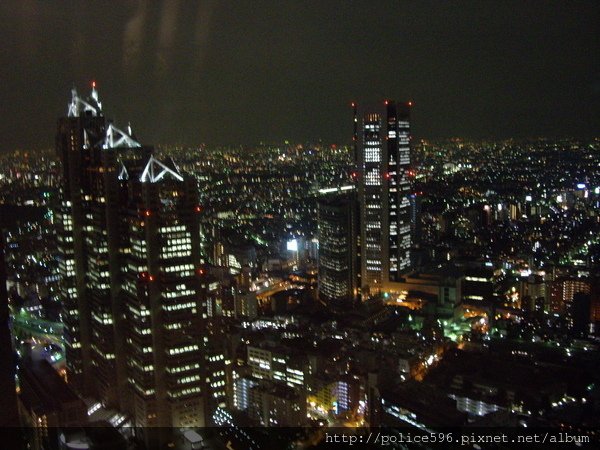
382	155
164	298
85	122
132	278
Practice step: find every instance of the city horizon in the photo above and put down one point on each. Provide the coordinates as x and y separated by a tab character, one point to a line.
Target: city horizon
479	69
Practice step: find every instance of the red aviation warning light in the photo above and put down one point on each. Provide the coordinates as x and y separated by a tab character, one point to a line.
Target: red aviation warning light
93	84
198	208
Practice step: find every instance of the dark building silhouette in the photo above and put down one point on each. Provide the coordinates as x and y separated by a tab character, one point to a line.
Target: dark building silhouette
9	416
47	403
338	263
581	309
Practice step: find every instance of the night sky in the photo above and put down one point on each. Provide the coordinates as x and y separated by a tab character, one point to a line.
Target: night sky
248	71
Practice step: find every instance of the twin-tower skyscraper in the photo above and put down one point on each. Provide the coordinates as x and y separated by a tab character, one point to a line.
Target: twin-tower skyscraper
133	284
382	156
365	231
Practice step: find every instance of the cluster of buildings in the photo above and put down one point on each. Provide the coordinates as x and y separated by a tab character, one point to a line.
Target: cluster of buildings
507	224
225	291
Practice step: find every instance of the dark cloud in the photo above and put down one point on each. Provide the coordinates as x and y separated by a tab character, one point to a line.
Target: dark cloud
246	71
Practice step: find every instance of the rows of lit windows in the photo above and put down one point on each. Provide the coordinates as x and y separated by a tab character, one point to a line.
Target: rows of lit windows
177	294
373	262
172	229
146	368
185	368
179	305
262	363
372	155
139	312
185	349
373	177
180	252
184	392
137	268
106	319
189	379
179	268
178	241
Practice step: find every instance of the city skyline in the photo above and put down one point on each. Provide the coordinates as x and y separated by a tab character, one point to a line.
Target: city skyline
294	225
478	70
190	300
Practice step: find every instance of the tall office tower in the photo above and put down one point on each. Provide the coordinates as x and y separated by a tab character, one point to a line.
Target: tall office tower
163	296
84	124
337	230
382	156
132	287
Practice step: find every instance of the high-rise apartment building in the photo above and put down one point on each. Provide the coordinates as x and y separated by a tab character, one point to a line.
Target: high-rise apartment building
382	157
563	289
132	277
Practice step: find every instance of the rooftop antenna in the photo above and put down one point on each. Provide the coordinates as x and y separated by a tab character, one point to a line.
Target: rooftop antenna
73	106
94	95
94	91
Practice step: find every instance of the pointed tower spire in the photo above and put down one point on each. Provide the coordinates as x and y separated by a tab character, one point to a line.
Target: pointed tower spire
94	91
73	106
94	95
